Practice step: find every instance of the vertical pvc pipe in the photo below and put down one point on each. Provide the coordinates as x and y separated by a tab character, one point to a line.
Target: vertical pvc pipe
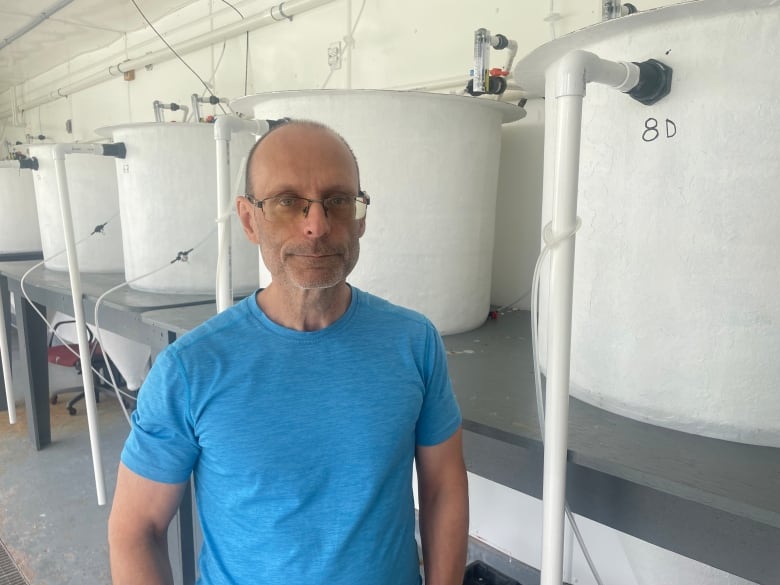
564	221
224	285
5	354
224	128
348	47
58	153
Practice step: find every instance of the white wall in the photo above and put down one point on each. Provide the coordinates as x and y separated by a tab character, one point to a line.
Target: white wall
397	43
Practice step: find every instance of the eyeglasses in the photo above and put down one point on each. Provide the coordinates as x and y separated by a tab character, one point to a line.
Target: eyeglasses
287	208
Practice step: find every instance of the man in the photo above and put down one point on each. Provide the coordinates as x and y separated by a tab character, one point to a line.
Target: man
300	410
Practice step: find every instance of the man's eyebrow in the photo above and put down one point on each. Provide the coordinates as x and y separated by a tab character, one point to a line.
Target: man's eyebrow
333	188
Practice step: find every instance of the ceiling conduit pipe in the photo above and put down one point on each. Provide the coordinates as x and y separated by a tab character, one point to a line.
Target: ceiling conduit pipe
224	127
646	82
279	12
58	152
43	16
5	352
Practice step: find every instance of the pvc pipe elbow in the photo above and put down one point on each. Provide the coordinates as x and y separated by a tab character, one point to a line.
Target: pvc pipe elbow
225	126
58	151
577	68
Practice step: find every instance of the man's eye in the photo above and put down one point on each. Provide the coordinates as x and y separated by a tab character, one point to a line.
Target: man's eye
287	201
339	201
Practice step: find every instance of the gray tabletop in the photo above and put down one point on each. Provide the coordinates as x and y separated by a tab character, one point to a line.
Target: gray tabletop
94	284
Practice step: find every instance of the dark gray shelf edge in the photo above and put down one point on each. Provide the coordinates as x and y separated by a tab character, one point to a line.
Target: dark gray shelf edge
731	542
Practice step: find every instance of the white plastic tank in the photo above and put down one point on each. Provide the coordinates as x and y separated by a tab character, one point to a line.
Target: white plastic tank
93	201
168	201
430	164
676	312
19	217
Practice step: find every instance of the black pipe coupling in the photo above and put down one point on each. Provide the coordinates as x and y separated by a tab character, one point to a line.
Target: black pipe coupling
28	163
655	82
118	150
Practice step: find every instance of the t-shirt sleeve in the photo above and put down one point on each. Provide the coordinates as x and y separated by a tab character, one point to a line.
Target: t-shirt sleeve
162	445
440	416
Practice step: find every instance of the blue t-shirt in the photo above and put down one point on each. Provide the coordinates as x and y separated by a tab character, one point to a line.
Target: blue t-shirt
301	443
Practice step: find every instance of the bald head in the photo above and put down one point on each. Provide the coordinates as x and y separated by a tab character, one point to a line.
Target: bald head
275	139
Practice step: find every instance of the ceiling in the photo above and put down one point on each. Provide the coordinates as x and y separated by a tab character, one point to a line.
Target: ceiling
73	27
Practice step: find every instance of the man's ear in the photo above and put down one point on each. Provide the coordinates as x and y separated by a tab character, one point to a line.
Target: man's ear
246	214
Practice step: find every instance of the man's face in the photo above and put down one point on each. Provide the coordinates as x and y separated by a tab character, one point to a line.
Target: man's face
312	251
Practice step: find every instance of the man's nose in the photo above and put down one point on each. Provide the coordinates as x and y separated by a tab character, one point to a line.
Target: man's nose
316	220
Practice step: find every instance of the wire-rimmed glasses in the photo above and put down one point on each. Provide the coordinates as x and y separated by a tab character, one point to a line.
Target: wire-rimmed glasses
284	208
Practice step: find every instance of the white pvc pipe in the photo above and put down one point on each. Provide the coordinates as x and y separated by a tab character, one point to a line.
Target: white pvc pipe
573	72
224	280
289	8
5	353
224	127
564	220
349	42
58	154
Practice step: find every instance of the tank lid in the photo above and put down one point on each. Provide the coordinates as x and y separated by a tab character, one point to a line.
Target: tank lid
108	131
530	70
509	112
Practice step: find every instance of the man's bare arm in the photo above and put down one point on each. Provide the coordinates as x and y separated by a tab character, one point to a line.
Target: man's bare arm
444	510
138	528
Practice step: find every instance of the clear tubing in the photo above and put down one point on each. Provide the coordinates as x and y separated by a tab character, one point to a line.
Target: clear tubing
5	353
81	328
549	244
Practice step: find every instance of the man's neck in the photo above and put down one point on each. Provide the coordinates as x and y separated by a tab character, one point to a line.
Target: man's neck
304	309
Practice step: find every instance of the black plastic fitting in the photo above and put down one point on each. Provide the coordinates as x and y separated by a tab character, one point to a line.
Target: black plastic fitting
496	86
630	9
213	100
502	42
174	107
655	82
29	163
274	123
118	150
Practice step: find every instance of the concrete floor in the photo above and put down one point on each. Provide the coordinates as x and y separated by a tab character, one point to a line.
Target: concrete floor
49	518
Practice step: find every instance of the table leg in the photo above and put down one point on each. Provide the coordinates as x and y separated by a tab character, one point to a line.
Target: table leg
5	302
34	374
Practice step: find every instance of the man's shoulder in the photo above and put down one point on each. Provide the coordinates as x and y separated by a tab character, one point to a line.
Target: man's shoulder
381	308
220	327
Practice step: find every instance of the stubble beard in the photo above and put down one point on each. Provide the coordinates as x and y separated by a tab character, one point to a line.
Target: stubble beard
296	277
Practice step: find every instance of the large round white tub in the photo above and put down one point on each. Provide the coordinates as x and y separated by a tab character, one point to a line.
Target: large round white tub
430	164
676	316
93	201
168	202
19	218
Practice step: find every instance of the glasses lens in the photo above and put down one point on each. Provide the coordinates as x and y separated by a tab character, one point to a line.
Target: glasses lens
291	208
284	208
